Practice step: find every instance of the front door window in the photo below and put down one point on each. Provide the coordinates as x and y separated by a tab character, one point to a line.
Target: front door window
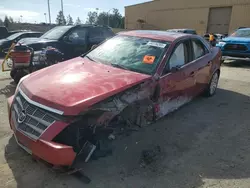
177	59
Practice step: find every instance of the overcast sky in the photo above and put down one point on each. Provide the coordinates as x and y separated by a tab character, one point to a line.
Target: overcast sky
33	10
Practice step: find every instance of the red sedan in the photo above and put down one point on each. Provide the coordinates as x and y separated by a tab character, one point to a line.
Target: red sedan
61	114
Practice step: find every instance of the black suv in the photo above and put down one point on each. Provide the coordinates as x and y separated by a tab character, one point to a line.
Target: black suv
72	41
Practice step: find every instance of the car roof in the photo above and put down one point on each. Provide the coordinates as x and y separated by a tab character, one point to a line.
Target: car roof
83	25
181	29
154	34
24	32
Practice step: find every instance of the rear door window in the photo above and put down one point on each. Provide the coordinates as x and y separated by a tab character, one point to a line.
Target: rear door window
107	33
96	35
199	49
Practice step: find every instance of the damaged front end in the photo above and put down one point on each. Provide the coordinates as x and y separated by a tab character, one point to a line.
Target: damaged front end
91	132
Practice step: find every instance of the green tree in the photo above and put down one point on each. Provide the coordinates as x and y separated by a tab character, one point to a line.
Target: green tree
1	22
11	19
113	19
6	22
102	18
60	19
78	21
70	20
92	18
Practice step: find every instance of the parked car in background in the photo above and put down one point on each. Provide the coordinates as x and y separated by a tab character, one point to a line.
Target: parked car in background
236	46
6	43
62	113
5	33
188	31
72	41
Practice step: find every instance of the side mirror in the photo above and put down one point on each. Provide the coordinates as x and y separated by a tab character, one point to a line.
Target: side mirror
175	69
66	38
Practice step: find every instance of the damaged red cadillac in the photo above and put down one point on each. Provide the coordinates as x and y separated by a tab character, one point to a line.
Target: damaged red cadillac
63	113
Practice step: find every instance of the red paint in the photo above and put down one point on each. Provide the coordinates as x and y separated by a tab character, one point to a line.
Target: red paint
75	85
51	152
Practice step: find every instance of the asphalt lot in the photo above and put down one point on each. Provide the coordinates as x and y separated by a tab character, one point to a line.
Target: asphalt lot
203	144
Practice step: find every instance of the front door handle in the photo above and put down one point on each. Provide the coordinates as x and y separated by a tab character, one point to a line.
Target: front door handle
209	63
192	74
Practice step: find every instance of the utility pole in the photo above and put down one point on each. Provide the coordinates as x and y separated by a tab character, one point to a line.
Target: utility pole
62	6
49	12
45	17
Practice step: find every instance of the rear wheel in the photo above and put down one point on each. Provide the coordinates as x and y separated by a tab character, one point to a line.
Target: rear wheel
212	86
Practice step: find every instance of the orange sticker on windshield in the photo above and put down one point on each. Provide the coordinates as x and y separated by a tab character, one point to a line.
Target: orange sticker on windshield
148	59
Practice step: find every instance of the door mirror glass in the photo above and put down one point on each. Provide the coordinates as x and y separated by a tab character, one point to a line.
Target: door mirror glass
175	69
66	38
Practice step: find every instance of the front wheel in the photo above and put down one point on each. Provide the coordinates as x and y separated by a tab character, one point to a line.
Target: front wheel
13	73
212	86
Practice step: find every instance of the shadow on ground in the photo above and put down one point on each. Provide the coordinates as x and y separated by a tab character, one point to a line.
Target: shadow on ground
206	139
237	64
9	89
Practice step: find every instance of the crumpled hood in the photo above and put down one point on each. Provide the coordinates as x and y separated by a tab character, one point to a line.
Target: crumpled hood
75	85
236	39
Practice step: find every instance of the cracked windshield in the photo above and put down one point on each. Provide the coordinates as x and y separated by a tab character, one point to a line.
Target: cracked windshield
132	53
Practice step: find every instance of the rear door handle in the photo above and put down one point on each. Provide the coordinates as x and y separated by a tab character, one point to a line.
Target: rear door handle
209	63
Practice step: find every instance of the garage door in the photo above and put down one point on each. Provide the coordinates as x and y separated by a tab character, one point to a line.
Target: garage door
219	20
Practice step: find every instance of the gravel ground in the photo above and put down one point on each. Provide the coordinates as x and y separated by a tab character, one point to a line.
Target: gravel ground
204	144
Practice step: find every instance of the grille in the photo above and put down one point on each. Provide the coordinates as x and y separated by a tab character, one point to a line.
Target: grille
235	47
30	119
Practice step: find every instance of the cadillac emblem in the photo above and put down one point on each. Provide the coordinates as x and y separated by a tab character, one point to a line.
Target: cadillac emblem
21	116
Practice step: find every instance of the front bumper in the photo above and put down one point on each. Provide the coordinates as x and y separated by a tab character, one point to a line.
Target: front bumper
238	55
49	151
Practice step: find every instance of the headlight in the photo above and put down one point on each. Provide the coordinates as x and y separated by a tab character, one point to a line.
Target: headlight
36	56
221	43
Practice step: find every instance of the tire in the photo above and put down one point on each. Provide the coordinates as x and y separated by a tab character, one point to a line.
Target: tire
13	73
212	86
18	76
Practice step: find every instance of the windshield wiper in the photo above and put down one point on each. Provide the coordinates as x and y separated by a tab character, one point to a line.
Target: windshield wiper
119	66
89	58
